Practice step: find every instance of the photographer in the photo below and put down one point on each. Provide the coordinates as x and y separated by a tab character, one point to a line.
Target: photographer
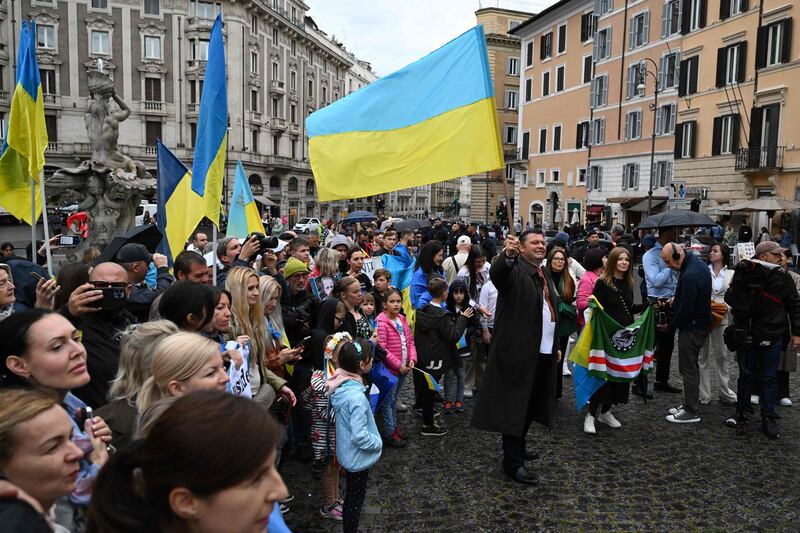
297	306
231	253
764	304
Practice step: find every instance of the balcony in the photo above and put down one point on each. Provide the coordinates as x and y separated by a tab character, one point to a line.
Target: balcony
518	159
294	129
199	23
761	158
53	147
278	86
150	150
278	123
3	96
196	64
192	109
51	99
279	161
152	106
255	116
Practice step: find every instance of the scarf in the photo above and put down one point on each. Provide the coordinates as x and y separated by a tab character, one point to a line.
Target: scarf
340	376
6	312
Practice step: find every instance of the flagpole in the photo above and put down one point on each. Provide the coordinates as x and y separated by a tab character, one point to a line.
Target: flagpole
509	214
46	228
214	252
33	221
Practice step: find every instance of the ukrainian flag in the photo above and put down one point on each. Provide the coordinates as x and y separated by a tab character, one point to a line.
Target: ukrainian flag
430	121
243	217
402	268
26	139
212	128
180	209
429	380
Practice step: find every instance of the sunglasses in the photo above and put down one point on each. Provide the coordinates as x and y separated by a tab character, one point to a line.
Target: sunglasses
106	284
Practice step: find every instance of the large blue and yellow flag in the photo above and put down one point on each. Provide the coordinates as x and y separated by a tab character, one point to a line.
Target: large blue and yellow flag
208	170
401	268
243	217
430	121
180	209
26	139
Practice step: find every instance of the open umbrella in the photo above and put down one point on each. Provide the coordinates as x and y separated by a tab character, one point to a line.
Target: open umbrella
676	218
359	216
412	224
768	203
148	235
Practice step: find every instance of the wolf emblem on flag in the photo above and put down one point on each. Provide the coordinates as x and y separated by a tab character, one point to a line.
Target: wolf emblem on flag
624	339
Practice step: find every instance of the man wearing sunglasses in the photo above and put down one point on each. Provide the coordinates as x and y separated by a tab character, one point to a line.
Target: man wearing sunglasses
136	260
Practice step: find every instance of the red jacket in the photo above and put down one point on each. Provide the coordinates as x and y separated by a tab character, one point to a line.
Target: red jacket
390	341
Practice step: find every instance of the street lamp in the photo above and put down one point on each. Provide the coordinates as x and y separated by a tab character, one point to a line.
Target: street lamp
640	87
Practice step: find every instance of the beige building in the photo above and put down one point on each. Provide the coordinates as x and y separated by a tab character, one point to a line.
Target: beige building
554	114
486	190
739	86
281	67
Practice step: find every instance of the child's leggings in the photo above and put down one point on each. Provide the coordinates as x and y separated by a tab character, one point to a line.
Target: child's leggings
354	500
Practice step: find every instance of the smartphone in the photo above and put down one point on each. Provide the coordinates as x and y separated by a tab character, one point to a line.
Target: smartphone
303	342
69	240
37	275
113	298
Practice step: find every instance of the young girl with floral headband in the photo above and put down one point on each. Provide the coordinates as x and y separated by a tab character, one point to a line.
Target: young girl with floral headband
323	427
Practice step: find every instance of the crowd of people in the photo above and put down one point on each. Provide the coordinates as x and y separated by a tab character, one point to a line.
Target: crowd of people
135	395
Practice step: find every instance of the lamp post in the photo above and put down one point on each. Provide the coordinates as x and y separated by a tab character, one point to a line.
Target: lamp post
641	86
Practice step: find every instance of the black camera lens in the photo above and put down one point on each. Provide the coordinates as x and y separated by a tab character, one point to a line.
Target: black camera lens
270	243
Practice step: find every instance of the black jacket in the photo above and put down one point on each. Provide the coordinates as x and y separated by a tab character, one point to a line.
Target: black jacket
692	305
763	295
436	335
489	245
299	315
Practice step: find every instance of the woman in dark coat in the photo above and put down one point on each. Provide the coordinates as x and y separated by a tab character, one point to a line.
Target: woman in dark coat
614	292
519	384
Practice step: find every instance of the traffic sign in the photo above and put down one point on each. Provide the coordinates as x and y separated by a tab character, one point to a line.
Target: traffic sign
677	192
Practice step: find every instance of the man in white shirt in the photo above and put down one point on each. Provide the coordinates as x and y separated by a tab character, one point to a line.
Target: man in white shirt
199	242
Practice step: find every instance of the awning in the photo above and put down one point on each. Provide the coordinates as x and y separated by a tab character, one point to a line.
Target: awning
628	200
594	209
263	200
641	207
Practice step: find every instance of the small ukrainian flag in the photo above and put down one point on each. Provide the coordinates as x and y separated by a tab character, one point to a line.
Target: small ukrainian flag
429	379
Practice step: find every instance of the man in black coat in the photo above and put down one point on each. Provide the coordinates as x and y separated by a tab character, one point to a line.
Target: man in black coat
519	385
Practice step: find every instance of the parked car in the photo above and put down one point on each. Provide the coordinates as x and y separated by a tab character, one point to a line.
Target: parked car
143	208
698	244
306	225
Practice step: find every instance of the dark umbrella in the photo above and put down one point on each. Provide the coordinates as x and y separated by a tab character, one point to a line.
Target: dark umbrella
412	224
359	216
676	218
148	235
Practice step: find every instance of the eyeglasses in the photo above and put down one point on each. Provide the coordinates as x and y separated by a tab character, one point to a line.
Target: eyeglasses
339	318
107	284
558	259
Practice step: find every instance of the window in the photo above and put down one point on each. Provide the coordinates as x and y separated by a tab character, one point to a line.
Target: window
152	7
688	76
200	49
311	88
588	26
195	90
633	125
254	63
668	71
581	176
774	43
603	6
598	96
204	10
588	69
51	125
324	95
529	54
48	78
192	133
540	178
597	131
512	24
526	145
511	99
523	178
254	101
275	147
152	89
694	17
293	80
152	131
542	140
555	175
595	178
546	46
294	148
684	140
560	78
636	77
100	44
510	134
557	138
275	107
582	135
726	135
671	18
294	47
630	176
562	38
513	66
275	69
254	24
640	30
665	119
100	4
729	8
254	140
602	45
528	90
311	57
546	83
152	47
731	63
275	36
45	36
293	113
663	174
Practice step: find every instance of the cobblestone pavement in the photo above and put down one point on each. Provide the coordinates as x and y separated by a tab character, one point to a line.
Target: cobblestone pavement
649	475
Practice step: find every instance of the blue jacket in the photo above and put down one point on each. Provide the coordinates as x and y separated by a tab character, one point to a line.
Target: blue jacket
358	443
661	280
420	297
692	306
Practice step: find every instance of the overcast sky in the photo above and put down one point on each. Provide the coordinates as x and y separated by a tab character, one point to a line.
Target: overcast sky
391	34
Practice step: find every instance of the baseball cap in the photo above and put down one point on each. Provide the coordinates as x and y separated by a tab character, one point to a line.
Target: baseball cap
464	239
769	247
133	252
281	245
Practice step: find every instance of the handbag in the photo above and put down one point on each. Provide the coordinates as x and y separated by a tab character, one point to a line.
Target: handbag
718	312
567	316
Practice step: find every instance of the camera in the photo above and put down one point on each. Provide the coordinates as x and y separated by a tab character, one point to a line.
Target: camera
264	243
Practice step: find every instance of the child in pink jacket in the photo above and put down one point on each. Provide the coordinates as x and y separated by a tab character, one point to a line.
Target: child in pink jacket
394	336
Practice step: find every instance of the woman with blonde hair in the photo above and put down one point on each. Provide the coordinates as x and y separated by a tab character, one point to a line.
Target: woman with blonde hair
183	363
325	273
135	363
278	354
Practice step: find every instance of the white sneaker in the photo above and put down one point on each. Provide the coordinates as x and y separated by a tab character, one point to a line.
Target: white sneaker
674	410
565	369
609	419
588	424
786	402
468	393
754	399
